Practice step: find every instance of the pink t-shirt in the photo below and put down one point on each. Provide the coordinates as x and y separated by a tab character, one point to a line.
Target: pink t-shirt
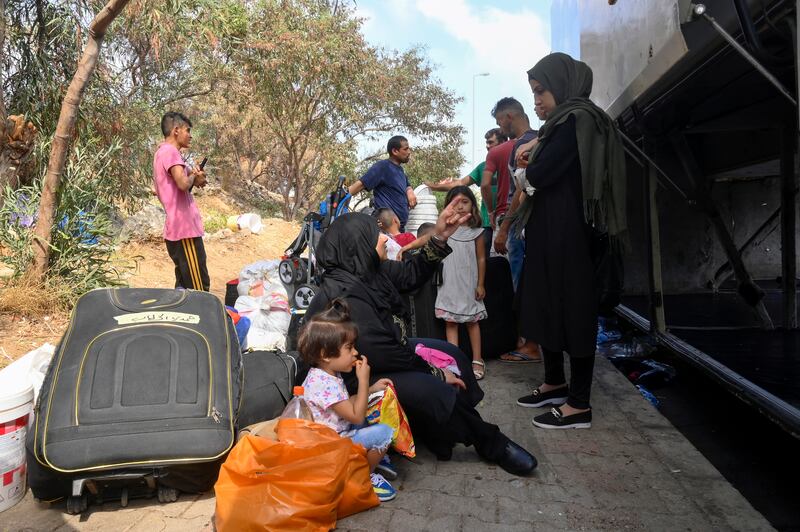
183	216
321	391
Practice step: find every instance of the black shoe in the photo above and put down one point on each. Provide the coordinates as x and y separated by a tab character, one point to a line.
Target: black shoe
537	399
517	460
554	419
441	449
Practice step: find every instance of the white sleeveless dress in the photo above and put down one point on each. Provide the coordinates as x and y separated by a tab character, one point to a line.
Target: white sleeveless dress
456	301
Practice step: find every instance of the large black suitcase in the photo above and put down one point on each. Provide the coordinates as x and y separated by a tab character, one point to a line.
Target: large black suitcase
499	329
142	393
269	377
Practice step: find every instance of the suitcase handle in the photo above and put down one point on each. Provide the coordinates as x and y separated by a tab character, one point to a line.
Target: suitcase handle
148	298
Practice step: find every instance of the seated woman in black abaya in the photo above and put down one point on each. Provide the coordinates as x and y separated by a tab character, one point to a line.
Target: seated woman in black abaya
439	405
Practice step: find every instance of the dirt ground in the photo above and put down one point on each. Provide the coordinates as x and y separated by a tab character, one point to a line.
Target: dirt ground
225	257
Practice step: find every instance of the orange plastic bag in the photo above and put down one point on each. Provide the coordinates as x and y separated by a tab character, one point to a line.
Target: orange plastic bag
304	481
386	409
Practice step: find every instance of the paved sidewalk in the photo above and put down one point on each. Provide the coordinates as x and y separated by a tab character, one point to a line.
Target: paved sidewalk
632	471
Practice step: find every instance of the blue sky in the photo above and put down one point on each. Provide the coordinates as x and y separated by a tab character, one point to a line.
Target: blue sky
463	38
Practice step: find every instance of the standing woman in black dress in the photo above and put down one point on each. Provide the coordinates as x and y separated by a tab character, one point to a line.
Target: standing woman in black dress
575	181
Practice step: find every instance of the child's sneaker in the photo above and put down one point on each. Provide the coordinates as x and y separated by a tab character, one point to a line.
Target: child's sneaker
383	489
386	468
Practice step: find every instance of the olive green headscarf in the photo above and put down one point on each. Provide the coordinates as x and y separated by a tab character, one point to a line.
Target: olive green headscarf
600	148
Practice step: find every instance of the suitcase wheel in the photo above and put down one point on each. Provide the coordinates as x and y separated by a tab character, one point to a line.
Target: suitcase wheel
77	505
167	494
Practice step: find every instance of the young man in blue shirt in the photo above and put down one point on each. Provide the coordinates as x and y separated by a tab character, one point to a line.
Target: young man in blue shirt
388	182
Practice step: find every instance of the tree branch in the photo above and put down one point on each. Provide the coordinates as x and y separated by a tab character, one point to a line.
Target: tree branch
188	95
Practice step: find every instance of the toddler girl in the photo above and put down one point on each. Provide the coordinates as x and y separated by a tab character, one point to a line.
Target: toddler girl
326	343
460	298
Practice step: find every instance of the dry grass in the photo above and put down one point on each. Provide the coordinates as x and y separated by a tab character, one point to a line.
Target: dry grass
25	297
30	315
217	203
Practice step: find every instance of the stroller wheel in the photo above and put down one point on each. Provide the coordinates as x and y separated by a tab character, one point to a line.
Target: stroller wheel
303	295
286	271
301	271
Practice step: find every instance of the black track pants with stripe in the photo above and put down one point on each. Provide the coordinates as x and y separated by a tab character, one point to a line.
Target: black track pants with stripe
189	257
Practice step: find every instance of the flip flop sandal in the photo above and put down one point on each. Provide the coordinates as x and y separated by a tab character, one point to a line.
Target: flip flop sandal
479	373
523	358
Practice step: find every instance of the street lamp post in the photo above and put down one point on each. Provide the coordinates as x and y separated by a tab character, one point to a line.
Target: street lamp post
474	76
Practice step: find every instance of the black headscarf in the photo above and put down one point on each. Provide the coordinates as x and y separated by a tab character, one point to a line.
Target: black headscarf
564	76
347	253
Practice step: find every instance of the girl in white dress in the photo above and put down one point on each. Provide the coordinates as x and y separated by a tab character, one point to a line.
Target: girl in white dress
460	298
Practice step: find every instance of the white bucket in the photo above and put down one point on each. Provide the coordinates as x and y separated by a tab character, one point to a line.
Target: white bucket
425	211
16	409
250	221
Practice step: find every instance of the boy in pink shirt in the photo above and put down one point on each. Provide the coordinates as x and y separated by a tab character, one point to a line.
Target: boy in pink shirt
183	229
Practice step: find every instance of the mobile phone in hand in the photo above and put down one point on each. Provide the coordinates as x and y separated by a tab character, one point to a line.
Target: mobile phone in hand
202	164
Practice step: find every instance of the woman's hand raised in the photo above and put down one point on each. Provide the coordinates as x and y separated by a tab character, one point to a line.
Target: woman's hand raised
449	220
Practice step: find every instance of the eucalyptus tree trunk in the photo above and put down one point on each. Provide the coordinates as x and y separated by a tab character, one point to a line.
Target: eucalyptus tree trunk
64	131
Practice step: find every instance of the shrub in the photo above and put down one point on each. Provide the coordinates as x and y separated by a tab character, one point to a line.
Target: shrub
214	221
81	246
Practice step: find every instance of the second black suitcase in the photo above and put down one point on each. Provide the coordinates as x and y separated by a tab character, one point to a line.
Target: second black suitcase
269	377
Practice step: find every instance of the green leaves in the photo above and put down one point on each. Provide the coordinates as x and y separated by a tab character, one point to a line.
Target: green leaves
82	242
281	92
319	87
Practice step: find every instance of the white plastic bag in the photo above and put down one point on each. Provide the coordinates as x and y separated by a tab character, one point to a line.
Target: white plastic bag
263	269
269	318
263	299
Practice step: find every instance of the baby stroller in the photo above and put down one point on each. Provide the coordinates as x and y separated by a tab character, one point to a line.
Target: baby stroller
300	274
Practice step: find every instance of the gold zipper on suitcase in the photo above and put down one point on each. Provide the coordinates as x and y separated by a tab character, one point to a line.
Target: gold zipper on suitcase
59	356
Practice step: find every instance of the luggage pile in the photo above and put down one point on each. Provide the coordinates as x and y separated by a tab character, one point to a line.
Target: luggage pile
262	298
